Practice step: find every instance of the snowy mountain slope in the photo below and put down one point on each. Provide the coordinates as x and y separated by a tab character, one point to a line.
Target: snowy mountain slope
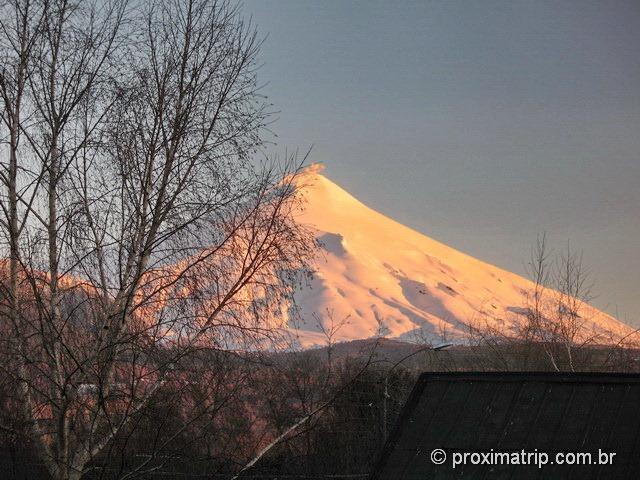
384	277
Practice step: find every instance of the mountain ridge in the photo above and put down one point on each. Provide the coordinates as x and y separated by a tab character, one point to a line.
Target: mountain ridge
375	276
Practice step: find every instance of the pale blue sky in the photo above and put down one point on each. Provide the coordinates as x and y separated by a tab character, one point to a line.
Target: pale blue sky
478	123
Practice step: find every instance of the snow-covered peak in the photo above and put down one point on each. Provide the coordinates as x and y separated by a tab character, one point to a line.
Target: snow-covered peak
375	275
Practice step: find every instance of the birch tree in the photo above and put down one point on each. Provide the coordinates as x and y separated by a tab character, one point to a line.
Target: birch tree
139	226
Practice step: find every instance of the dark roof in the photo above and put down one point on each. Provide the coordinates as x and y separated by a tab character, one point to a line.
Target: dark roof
509	412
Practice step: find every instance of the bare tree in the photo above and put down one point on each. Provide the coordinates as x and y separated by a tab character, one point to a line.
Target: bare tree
556	305
140	228
555	321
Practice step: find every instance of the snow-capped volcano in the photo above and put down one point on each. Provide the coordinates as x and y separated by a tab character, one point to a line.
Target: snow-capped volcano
383	277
